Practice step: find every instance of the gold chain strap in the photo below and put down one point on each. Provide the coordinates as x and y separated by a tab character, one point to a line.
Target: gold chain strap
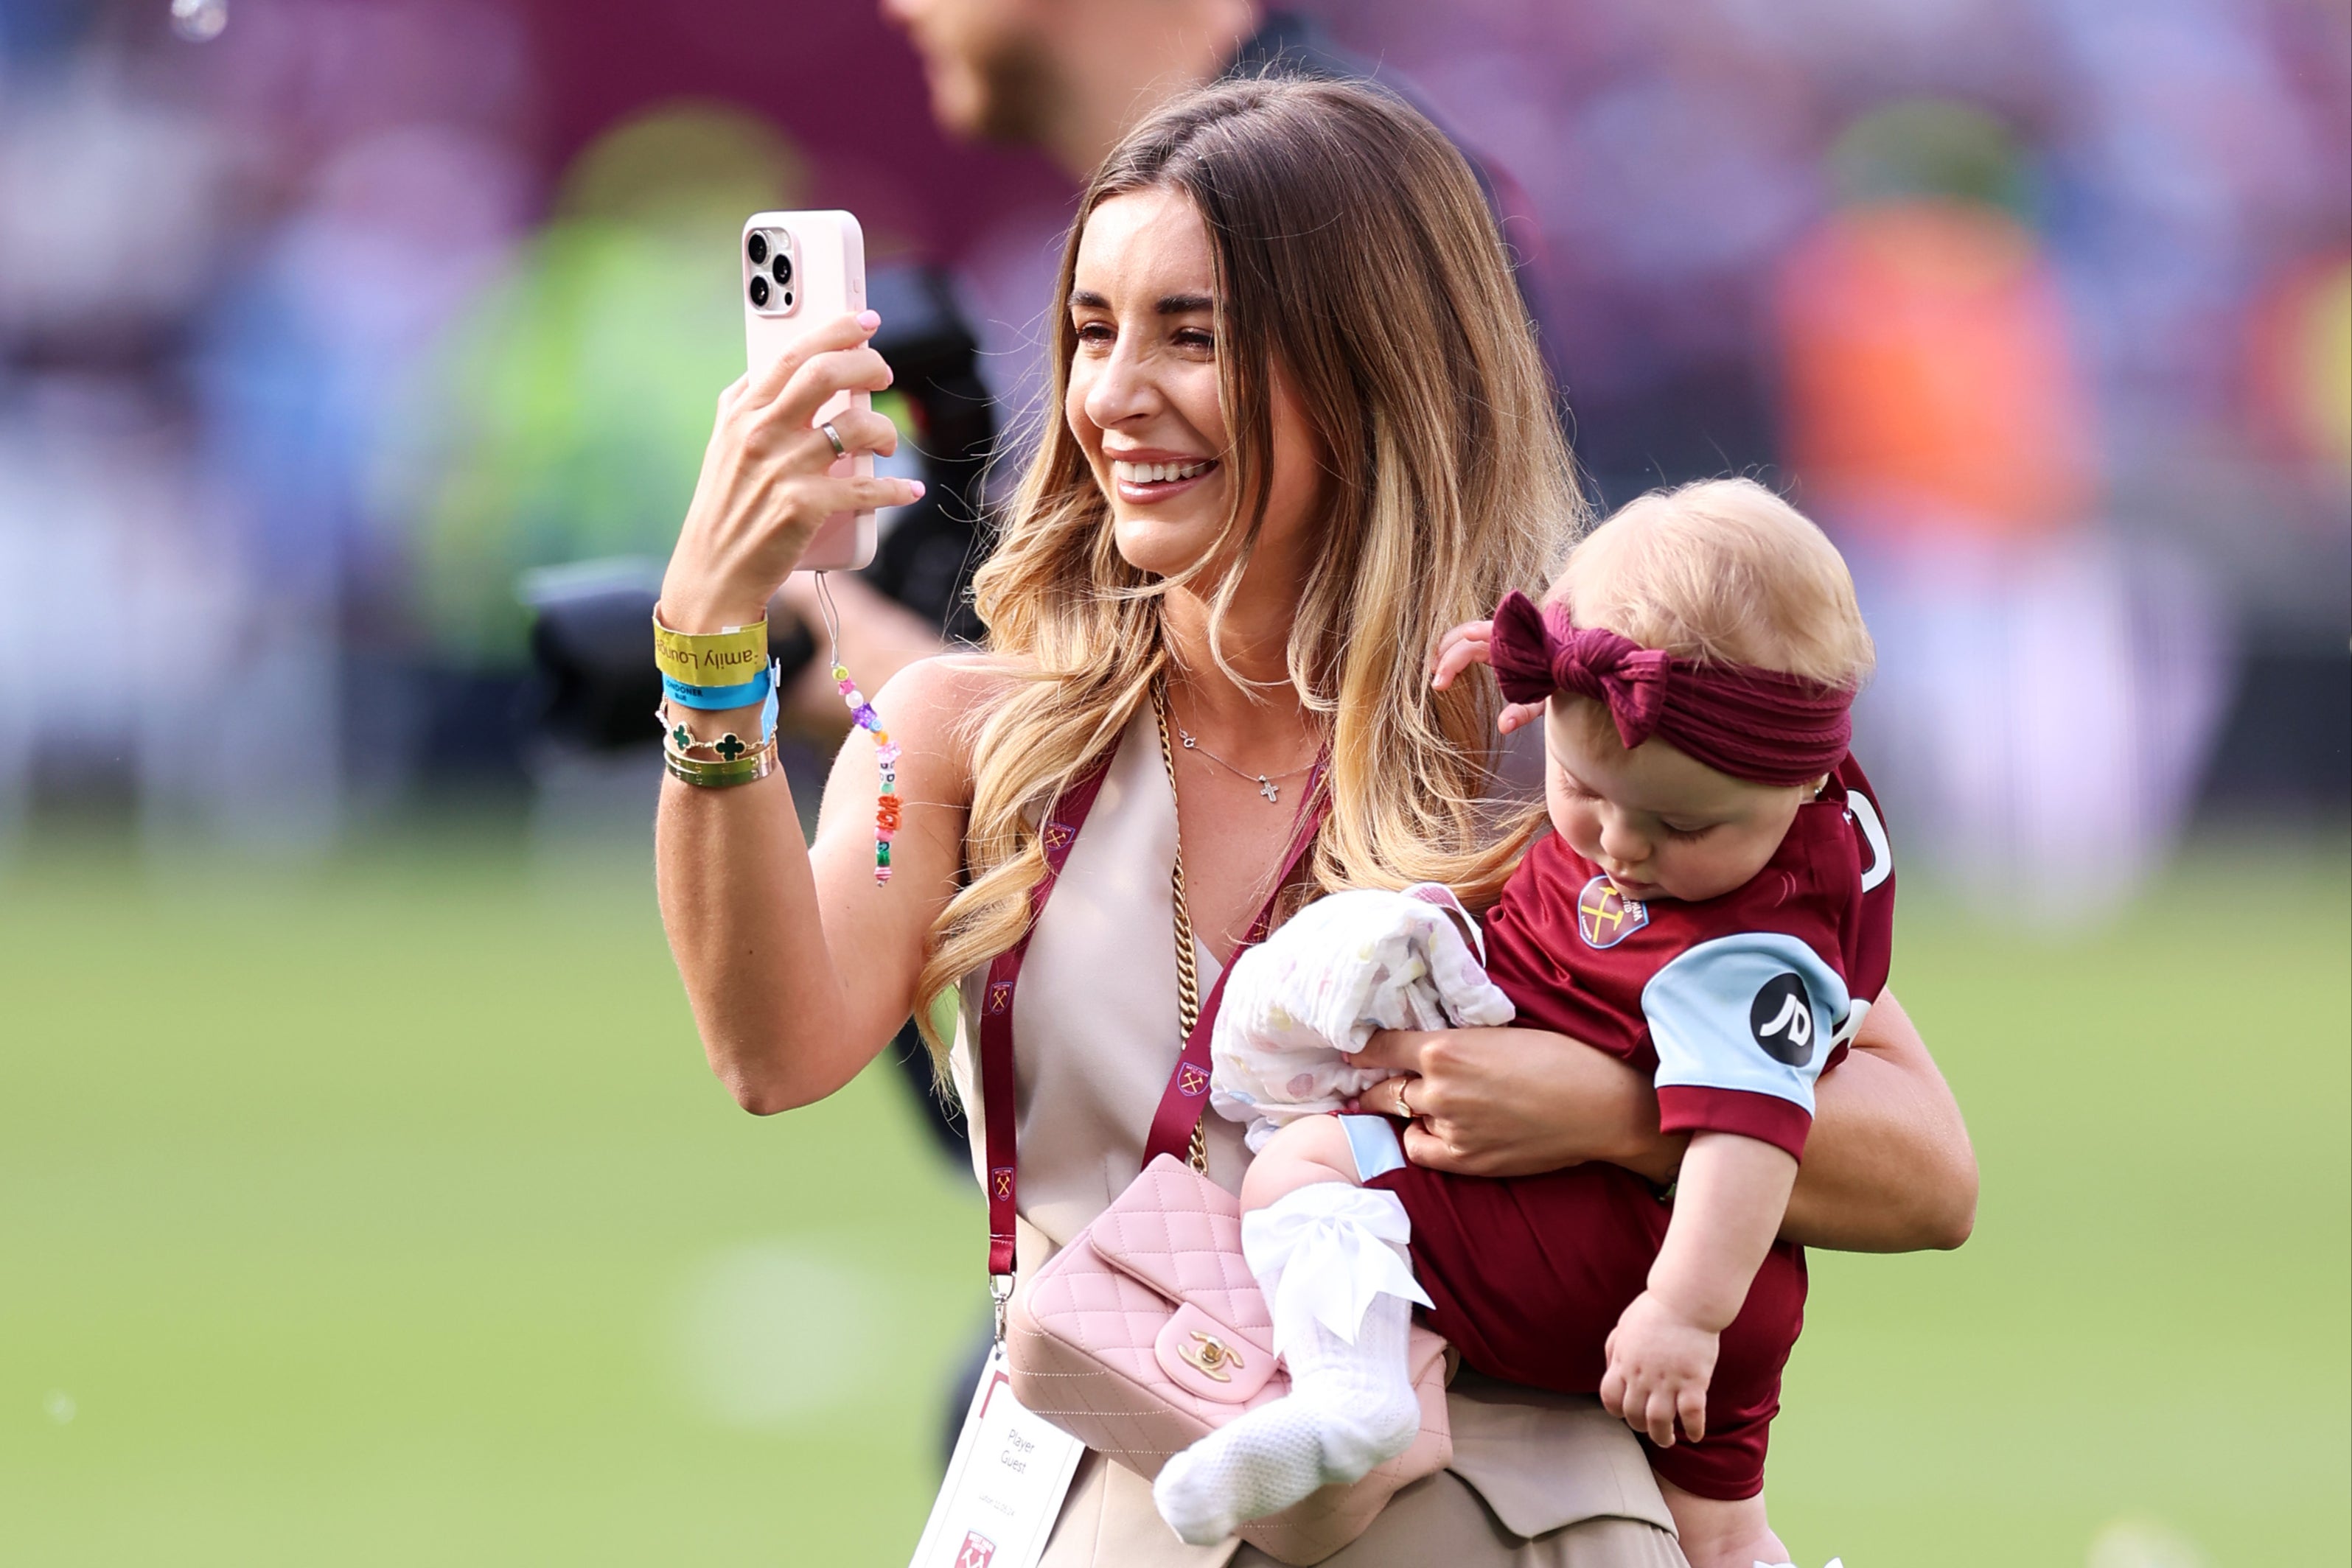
1188	968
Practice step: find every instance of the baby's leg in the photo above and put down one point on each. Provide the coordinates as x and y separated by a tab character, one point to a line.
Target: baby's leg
1342	1327
1718	1534
1309	1150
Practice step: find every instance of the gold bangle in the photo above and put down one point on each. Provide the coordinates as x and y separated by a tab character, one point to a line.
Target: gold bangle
721	775
748	765
731	746
727	657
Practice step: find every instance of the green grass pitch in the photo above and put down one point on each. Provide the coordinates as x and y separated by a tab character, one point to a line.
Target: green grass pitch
385	1214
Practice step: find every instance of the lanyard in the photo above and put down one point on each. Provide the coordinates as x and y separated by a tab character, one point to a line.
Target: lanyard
1181	1103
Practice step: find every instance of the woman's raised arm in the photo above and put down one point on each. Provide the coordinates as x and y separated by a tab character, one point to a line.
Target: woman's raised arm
797	965
1887	1167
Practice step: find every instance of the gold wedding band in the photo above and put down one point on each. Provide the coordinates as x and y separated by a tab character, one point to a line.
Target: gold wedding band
1404	1106
833	435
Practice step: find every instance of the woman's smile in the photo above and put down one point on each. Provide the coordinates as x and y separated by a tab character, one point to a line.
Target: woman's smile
1147	477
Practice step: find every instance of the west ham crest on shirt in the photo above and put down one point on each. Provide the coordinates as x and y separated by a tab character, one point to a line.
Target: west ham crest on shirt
1605	916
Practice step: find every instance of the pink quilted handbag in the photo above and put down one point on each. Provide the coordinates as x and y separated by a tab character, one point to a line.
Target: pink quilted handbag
1146	1333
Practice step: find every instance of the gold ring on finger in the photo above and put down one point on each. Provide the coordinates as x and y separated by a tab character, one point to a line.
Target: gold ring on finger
839	449
1404	1106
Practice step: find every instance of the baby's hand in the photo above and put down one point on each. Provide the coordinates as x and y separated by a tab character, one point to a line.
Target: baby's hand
1659	1364
1466	645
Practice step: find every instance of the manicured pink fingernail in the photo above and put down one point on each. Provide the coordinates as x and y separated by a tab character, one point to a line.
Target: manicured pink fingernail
918	484
869	319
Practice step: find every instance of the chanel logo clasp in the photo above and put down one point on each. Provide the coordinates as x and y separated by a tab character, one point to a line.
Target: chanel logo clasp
1210	1356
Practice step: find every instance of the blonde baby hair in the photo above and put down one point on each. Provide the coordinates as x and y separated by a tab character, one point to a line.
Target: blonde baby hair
1722	571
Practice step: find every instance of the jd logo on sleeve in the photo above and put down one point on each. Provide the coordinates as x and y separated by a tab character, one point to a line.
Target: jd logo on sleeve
1781	1020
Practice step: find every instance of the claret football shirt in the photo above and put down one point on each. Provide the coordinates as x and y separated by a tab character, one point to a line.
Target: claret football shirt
1735	1004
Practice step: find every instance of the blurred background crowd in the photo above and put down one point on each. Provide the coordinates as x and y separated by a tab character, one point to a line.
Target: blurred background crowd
323	323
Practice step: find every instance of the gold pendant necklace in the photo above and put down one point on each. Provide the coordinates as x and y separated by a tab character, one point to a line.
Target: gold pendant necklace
1188	968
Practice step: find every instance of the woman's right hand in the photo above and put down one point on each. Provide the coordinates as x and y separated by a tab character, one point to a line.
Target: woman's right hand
765	488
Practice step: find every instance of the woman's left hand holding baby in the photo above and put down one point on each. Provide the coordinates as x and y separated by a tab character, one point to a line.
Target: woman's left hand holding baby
1511	1101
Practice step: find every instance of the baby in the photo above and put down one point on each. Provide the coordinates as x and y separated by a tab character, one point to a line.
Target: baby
1715	908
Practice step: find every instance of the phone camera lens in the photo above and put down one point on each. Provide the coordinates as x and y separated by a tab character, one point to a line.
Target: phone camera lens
758	248
788	299
783	269
760	291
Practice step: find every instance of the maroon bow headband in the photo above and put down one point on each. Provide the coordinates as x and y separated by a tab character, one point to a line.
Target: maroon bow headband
1762	726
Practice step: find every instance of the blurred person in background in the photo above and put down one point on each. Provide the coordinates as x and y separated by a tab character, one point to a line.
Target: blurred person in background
105	499
218	273
311	364
2047	694
1068	76
1429	441
567	404
564	407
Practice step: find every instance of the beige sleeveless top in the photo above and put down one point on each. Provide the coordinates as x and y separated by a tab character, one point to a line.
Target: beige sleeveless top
1094	1032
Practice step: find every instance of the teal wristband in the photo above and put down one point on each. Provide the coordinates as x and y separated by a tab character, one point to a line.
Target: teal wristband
743	695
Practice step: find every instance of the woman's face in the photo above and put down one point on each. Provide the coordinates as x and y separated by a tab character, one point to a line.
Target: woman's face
1143	399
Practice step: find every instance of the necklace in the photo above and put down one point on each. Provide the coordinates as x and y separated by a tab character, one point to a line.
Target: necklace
1265	781
1188	974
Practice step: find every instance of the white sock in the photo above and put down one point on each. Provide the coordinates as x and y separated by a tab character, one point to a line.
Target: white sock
1352	1405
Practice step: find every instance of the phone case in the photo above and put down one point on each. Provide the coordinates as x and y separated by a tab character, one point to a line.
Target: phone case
801	270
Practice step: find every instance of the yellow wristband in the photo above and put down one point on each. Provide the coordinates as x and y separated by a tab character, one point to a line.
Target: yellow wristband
725	658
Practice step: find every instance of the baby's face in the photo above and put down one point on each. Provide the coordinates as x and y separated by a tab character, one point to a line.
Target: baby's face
1661	824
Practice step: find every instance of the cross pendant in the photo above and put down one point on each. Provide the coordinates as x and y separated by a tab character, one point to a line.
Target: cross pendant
1266	788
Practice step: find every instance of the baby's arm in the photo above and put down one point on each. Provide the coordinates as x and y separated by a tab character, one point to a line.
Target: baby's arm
1728	1204
1743	1025
1468	644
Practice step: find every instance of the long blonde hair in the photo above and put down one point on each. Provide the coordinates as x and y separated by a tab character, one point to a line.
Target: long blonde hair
1354	250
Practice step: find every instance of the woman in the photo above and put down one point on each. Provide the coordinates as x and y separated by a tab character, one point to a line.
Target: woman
1304	430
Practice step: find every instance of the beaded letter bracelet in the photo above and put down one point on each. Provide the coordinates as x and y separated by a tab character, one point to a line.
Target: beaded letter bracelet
886	754
888	806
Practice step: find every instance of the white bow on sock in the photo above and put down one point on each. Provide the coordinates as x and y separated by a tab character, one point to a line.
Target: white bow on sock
1342	1299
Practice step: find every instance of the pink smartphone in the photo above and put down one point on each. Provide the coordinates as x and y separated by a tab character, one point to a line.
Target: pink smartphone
801	270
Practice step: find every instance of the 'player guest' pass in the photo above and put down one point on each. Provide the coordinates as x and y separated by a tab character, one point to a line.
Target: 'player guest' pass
1005	1487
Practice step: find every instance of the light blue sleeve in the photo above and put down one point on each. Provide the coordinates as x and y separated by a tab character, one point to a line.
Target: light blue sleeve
1757	1012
